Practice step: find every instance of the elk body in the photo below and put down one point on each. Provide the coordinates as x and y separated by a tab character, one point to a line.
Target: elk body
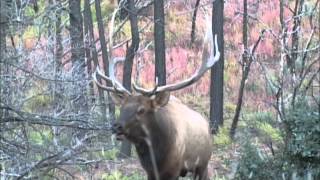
179	137
170	138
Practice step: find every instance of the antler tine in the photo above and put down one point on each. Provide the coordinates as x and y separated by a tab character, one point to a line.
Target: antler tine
156	86
145	91
116	86
139	89
106	88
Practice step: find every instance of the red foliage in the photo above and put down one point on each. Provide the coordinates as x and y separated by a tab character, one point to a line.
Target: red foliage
182	61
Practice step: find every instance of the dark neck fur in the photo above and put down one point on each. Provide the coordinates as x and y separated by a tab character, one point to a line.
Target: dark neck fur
162	133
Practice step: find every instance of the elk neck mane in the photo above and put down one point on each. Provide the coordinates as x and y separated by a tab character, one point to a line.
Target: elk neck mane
162	135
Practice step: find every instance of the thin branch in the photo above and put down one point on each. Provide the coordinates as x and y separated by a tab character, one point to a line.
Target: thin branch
194	17
68	121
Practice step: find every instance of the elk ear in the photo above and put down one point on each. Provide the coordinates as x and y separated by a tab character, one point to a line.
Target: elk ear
160	99
118	98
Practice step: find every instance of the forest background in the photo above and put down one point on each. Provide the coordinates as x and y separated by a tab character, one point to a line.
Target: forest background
55	123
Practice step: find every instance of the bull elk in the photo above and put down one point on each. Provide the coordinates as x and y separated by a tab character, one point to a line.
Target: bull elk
170	138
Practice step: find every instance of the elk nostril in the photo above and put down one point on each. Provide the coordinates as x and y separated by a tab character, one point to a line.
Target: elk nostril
116	128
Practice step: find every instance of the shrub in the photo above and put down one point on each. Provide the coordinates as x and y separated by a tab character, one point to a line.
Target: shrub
263	125
253	164
301	156
303	124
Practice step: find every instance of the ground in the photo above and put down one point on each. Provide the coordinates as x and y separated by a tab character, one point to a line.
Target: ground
127	169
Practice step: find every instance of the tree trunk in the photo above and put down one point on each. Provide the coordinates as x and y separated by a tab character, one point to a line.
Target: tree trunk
216	87
123	8
295	35
88	45
91	49
295	44
194	18
245	69
58	45
159	40
127	72
77	54
3	27
245	73
3	35
105	59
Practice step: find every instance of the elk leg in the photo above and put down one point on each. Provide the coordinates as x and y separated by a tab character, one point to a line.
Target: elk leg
204	175
169	177
172	178
151	177
163	177
201	173
195	175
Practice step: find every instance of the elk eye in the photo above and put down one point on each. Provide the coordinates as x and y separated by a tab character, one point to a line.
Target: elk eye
140	110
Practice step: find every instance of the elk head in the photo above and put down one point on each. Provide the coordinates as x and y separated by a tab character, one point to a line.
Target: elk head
137	110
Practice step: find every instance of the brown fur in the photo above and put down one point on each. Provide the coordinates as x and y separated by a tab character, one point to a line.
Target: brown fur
180	136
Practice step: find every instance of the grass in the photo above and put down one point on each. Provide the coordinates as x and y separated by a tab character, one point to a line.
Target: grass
110	154
222	139
270	131
41	137
117	175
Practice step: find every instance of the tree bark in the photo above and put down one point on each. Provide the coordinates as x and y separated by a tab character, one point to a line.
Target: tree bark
105	57
3	27
127	72
216	87
77	52
94	55
245	73
58	53
58	87
295	44
295	35
88	45
58	43
3	35
159	40
194	18
245	69
123	6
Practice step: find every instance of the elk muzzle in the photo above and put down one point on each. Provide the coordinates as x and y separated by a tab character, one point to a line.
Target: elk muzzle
118	130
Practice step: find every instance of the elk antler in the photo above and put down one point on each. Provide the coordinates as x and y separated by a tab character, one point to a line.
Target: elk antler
207	62
116	85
